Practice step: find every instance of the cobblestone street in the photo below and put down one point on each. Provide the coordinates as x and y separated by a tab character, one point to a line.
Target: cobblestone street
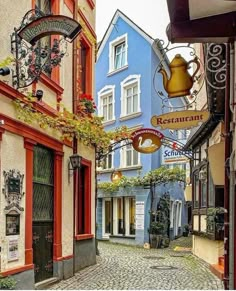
122	267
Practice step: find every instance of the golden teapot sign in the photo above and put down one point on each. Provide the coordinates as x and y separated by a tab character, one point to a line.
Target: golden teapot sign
180	119
180	81
146	140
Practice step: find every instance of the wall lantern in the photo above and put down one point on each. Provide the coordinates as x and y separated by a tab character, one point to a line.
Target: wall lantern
75	162
4	71
116	176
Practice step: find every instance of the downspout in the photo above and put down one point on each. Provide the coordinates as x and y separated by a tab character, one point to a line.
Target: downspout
226	179
75	142
232	181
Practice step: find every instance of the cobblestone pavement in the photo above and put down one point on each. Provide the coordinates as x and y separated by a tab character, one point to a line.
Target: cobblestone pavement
122	267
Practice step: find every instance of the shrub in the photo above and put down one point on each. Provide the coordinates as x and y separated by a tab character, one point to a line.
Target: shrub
7	283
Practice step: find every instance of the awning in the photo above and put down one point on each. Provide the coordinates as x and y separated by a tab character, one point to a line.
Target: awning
201	21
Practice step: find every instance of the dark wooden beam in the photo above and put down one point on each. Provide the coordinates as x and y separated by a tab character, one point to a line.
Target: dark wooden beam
178	10
218	29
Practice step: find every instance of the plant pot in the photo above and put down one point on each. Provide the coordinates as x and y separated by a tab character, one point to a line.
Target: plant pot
155	240
185	233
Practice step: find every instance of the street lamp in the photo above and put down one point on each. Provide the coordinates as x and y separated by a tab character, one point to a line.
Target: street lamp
75	162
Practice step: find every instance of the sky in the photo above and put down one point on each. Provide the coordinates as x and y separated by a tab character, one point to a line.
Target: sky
150	15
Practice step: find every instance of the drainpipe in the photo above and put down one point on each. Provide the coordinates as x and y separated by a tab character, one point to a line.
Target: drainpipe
74	95
226	186
232	181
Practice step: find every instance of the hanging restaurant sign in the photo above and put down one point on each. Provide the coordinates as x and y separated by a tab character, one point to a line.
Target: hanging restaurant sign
146	140
50	25
180	119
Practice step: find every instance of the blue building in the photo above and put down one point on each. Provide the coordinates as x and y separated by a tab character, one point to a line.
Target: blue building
126	94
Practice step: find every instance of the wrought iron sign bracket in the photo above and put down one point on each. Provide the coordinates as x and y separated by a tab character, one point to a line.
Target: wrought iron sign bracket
31	55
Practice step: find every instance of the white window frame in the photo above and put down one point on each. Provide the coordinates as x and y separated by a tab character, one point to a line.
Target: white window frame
112	46
112	161
105	234
127	219
103	93
131	80
172	213
123	155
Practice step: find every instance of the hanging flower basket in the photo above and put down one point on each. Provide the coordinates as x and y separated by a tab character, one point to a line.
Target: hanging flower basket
86	105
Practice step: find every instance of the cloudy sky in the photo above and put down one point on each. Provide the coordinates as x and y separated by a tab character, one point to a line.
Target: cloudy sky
151	15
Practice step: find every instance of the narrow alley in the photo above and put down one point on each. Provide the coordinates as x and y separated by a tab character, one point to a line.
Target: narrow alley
122	267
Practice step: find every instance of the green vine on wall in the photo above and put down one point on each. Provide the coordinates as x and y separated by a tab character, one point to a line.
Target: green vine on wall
158	176
87	128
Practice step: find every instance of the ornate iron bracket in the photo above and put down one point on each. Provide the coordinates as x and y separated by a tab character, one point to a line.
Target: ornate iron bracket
32	59
166	53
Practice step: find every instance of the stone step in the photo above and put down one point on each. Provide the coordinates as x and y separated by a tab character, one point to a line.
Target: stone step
218	270
221	261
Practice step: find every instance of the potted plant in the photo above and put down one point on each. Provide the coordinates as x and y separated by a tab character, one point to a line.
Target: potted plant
156	232
186	230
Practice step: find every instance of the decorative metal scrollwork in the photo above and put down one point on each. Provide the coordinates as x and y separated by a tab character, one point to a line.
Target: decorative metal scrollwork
215	65
32	60
13	184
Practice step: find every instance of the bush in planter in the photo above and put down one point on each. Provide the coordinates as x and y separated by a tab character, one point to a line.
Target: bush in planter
7	283
156	231
156	227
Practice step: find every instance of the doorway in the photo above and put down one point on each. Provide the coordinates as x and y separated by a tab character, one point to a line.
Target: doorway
43	201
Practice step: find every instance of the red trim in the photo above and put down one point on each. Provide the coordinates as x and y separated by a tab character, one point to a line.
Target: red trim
26	131
17	270
87	23
91	4
59	259
89	49
57	244
83	200
13	94
68	257
2	130
70	5
84	236
29	146
51	84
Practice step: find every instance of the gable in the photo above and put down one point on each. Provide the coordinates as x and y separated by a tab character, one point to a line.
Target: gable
118	17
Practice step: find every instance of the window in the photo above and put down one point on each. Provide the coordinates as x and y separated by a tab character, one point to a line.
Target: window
108	213
196	190
84	70
118	53
120	216
83	211
131	216
46	7
129	156
107	107
108	161
204	189
130	95
106	103
123	216
211	191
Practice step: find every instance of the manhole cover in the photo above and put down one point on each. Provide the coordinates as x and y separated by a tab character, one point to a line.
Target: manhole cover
163	267
153	258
